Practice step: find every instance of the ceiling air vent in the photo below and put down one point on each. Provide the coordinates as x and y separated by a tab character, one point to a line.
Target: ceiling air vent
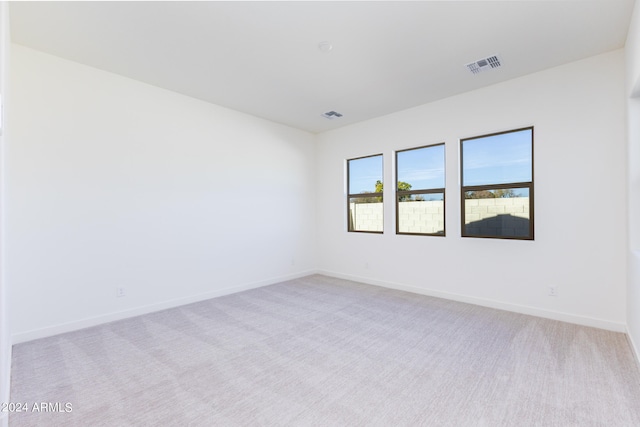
484	64
331	115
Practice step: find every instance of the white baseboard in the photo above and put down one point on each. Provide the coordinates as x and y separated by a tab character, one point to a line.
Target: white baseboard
111	317
634	348
98	320
485	302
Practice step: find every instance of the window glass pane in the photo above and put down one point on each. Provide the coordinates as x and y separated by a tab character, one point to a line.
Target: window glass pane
498	159
421	168
365	214
421	213
497	213
364	173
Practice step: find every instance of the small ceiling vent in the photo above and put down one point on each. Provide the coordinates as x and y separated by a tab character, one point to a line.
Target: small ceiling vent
331	115
484	64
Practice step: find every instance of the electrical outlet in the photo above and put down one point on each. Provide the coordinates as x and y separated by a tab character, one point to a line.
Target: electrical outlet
553	291
120	292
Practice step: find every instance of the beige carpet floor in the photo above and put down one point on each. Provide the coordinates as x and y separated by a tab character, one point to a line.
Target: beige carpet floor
321	351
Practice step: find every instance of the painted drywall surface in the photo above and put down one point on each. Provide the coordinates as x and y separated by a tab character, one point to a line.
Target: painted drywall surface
578	112
633	125
114	183
633	286
632	56
5	333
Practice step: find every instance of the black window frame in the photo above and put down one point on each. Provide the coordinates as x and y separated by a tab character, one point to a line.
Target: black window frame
400	193
504	186
350	195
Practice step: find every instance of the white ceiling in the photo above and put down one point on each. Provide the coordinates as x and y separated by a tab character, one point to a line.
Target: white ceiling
262	58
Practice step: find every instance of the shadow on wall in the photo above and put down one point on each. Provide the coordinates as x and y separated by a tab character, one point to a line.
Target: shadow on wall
501	225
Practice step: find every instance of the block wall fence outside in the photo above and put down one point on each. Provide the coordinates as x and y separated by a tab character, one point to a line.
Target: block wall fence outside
494	217
367	216
428	216
425	217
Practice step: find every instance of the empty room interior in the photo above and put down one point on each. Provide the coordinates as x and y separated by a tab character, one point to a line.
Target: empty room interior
320	213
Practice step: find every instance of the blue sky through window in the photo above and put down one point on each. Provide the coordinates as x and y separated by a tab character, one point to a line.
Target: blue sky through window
363	174
498	159
423	168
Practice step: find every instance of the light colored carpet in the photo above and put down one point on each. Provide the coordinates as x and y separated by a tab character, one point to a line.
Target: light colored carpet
320	351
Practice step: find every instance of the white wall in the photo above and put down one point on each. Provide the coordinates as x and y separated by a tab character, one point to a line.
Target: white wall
5	332
115	183
578	111
633	122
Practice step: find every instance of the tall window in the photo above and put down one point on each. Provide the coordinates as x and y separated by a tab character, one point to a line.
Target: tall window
364	199
497	185
420	191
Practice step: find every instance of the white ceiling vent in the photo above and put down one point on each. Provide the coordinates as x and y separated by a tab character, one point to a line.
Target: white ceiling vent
331	115
484	64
